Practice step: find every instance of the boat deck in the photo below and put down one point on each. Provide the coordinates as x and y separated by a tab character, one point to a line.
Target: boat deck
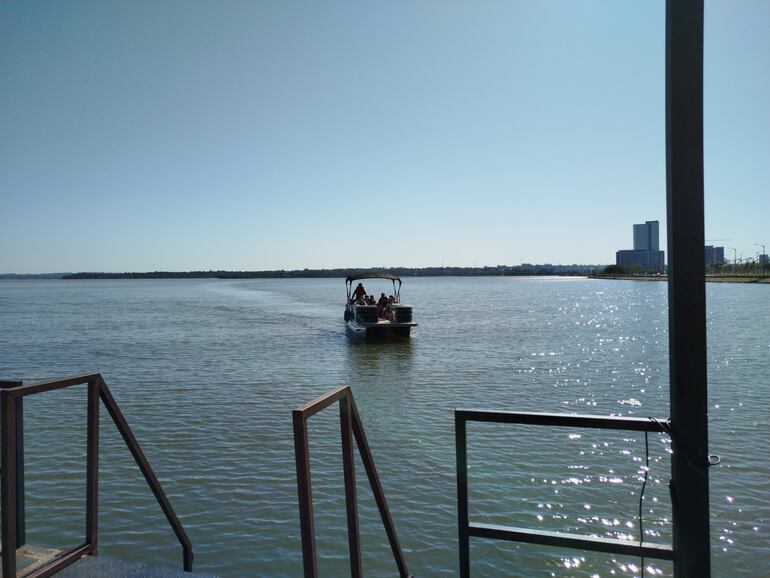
389	323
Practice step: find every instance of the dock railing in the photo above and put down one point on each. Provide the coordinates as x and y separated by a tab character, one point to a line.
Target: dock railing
11	486
467	529
350	427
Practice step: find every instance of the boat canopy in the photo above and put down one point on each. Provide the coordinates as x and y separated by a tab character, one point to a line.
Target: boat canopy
373	275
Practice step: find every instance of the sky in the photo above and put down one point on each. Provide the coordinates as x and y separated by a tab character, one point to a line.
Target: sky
190	135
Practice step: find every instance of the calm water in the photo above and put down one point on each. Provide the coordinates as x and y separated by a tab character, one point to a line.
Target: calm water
207	373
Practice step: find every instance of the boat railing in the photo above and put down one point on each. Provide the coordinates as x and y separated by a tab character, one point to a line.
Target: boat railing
12	475
350	428
467	529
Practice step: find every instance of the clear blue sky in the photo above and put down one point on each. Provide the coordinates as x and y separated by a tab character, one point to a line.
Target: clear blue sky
187	135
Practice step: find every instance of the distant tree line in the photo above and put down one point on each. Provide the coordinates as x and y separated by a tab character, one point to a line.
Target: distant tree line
22	276
747	269
632	270
502	270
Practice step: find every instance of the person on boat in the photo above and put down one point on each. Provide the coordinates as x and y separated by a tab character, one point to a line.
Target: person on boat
360	292
370	300
382	305
389	307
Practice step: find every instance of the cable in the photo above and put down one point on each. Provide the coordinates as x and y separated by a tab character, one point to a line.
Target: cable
700	466
696	465
641	494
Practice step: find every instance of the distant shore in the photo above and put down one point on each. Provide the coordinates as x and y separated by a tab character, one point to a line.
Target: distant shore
709	278
525	270
500	270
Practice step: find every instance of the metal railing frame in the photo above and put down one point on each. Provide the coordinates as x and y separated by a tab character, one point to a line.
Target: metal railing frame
350	428
466	529
10	402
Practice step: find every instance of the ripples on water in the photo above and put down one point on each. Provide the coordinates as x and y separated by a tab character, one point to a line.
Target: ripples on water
207	372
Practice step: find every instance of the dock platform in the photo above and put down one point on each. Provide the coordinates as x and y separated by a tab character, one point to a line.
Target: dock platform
101	567
30	558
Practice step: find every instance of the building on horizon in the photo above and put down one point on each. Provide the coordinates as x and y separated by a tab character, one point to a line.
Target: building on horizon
646	253
647	236
647	260
764	259
714	256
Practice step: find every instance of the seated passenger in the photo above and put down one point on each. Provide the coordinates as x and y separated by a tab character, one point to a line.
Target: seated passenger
370	300
382	305
389	308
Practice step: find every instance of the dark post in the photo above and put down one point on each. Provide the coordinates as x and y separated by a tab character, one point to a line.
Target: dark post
21	525
92	466
307	527
349	472
8	483
686	286
462	495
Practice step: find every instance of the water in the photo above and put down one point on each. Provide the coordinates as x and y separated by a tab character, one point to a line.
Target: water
207	372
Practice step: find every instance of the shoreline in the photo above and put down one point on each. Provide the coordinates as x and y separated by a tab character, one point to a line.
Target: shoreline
709	279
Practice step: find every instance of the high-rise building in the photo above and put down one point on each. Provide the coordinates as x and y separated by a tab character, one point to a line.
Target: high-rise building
714	255
645	254
647	236
764	259
719	255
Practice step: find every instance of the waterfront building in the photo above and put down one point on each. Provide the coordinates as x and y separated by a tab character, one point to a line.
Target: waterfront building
714	256
646	253
764	259
647	260
647	236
